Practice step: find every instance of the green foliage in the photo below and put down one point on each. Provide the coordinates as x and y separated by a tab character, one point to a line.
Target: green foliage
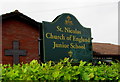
60	71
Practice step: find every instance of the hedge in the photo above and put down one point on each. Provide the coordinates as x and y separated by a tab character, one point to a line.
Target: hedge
60	71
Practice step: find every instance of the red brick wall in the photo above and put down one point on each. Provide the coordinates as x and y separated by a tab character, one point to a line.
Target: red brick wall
26	34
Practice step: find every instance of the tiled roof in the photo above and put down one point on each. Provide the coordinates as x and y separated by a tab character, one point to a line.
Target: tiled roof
19	15
106	49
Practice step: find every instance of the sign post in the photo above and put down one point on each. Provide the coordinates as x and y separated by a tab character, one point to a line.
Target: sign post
66	37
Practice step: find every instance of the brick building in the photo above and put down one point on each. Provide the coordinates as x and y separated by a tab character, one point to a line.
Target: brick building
19	32
20	36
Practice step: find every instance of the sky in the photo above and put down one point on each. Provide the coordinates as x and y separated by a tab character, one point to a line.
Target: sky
99	15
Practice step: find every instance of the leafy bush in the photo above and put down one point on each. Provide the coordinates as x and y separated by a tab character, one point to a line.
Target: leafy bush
60	71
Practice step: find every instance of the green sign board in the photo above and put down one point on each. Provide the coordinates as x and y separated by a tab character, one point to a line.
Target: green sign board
66	37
